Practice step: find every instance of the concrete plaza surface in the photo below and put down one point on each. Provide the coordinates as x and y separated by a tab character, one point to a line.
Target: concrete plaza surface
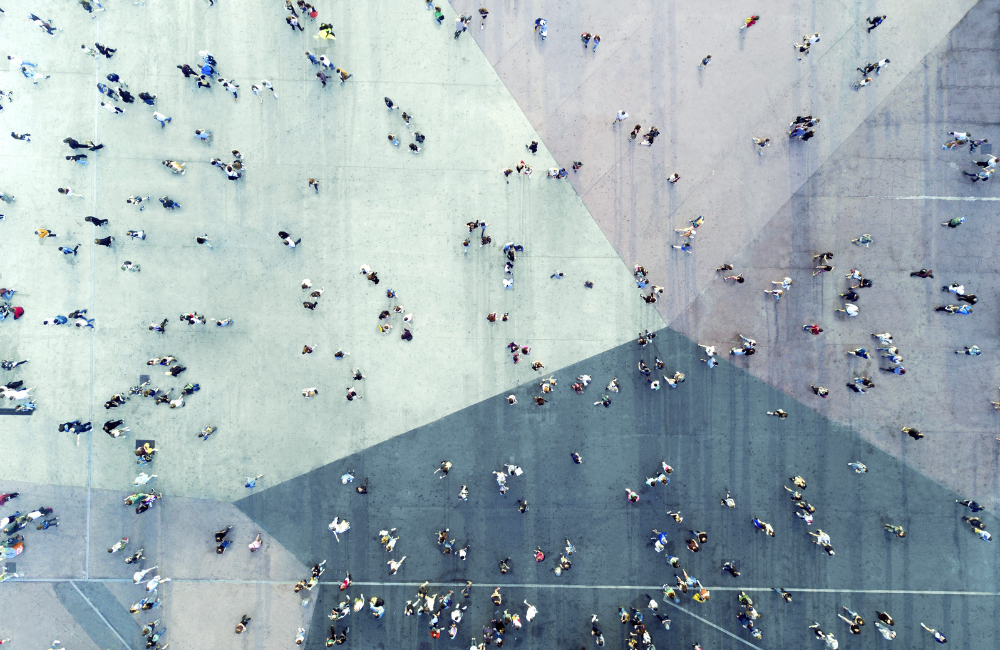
875	166
714	431
441	395
402	214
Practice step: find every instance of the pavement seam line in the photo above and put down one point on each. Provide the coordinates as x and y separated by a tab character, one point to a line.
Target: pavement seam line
929	198
93	333
529	585
100	615
711	624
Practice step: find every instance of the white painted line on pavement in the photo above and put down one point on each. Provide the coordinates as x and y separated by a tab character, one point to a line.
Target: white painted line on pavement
936	198
708	622
99	614
491	585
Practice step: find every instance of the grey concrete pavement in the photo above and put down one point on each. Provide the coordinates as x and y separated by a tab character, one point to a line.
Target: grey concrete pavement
404	215
713	429
874	184
769	213
378	205
71	576
41	617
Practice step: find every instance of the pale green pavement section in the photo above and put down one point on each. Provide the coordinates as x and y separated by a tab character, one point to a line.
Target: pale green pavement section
400	213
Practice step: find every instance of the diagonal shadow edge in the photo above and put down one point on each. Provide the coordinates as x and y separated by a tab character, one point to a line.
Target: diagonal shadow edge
713	429
747	400
807	181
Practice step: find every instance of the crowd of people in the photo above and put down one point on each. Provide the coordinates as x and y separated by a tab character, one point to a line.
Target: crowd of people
445	612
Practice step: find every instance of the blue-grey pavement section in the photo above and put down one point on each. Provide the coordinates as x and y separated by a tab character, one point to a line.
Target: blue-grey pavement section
713	429
105	620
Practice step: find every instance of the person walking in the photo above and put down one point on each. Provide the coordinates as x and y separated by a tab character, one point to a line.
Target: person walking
937	635
161	118
874	22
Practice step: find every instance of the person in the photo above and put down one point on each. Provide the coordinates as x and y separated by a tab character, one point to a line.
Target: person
874	22
953	309
444	468
541	27
112	108
971	505
940	638
849	309
898	531
287	239
887	633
